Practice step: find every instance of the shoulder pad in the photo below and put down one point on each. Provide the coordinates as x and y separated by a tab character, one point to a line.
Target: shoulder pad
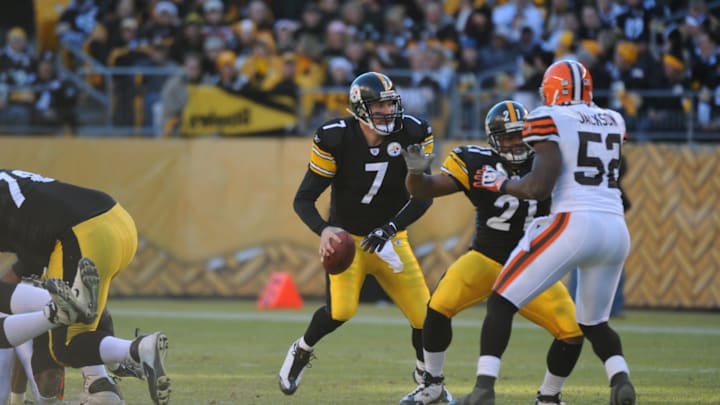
416	127
330	133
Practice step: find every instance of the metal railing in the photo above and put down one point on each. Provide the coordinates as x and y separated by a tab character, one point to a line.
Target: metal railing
454	113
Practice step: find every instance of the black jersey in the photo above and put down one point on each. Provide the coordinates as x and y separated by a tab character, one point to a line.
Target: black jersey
500	219
368	182
36	210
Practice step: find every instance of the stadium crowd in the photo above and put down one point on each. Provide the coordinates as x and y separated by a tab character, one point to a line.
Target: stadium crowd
655	61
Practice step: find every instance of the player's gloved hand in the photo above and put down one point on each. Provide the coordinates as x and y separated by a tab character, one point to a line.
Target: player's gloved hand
416	159
489	178
378	237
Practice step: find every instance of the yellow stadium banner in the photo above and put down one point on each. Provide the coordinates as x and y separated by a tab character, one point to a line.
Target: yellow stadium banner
212	111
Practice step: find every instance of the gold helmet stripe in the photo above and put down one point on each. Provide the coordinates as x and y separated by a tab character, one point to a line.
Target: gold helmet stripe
511	110
387	84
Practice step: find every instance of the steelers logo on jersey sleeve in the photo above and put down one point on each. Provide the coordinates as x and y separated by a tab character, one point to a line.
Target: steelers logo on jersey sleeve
394	149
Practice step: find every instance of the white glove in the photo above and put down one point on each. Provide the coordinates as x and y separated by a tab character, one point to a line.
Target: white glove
416	160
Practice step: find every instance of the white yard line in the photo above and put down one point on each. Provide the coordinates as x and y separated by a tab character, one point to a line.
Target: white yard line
381	320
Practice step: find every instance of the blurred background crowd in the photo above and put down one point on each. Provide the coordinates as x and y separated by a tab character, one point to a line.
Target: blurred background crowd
124	66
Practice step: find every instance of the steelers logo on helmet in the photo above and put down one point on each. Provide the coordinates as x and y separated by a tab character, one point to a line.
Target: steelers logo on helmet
394	149
355	95
504	125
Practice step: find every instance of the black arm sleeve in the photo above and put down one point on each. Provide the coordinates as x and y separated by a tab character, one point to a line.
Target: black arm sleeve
410	213
310	189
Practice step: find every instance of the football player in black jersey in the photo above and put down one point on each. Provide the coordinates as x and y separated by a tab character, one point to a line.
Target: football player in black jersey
500	221
359	157
53	225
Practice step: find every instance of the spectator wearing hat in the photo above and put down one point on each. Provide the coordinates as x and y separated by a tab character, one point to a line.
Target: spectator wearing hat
261	64
189	39
55	101
229	77
116	21
284	83
312	23
668	113
163	23
17	68
246	34
335	100
588	54
212	47
150	85
259	13
215	24
284	33
127	50
336	38
627	78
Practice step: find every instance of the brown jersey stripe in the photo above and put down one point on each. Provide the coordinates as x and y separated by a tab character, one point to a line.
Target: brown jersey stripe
537	246
541	131
535	120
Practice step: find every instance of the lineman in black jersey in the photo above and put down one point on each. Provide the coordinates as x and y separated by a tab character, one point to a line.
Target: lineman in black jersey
499	224
359	157
57	226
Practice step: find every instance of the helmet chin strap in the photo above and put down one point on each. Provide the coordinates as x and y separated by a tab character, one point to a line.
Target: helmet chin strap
383	130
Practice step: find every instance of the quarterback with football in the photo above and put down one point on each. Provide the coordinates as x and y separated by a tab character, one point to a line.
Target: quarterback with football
360	158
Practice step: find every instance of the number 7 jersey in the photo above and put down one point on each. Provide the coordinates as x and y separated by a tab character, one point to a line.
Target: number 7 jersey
590	140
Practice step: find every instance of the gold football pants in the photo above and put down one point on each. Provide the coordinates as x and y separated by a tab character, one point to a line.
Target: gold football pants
470	279
109	240
406	288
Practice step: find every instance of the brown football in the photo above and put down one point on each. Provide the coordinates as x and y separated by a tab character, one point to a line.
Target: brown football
344	254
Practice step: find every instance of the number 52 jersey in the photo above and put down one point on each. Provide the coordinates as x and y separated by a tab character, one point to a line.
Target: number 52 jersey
590	140
500	219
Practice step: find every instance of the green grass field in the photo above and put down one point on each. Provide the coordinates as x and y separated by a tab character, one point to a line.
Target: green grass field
227	352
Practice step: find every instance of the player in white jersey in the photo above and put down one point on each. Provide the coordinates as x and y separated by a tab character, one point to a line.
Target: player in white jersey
577	155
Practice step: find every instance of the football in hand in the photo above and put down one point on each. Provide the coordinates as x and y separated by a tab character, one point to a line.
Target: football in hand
344	254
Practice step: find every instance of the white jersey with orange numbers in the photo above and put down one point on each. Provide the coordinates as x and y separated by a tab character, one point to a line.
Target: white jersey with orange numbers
590	139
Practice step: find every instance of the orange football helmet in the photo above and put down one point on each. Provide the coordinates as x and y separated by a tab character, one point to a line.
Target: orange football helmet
566	82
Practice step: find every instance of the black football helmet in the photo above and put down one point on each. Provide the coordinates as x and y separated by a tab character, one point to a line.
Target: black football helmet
373	87
503	125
